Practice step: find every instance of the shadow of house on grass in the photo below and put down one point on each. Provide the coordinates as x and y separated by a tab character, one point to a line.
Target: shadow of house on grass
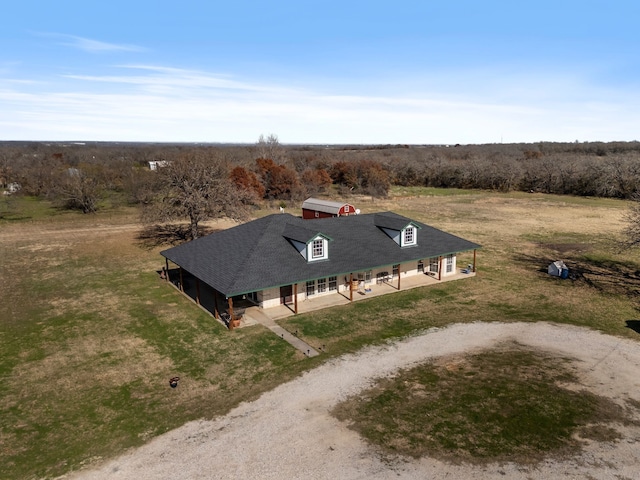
633	325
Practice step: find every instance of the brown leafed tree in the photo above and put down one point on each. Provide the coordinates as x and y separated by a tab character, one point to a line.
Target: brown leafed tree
344	173
373	178
197	188
279	181
247	180
316	181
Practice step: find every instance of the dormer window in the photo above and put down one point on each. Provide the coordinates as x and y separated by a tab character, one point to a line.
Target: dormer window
312	245
318	248
409	236
399	229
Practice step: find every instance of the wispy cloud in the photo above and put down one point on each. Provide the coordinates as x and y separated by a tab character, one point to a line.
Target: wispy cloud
156	103
91	45
156	77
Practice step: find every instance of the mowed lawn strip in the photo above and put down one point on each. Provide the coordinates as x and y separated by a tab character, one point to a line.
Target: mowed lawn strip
90	335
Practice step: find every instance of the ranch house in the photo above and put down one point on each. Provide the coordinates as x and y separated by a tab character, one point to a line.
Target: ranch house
282	259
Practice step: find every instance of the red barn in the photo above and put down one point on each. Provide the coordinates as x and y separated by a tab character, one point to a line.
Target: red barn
315	208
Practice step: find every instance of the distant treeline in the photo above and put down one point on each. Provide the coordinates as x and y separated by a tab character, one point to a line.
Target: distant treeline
66	171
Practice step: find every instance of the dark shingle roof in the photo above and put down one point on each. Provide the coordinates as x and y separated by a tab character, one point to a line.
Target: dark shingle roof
257	255
392	221
299	233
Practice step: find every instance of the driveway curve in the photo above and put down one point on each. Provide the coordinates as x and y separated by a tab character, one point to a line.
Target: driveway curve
288	433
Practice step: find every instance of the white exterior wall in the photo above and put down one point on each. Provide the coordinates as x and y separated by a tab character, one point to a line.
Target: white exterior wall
270	297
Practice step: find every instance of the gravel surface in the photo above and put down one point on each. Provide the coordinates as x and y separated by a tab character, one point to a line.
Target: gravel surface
288	433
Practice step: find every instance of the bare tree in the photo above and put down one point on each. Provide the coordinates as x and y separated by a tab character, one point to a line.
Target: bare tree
269	148
79	189
632	218
197	188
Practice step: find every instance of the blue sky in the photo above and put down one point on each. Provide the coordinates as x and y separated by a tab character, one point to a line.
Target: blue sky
417	72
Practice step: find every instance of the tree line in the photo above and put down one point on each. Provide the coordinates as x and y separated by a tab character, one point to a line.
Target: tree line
229	179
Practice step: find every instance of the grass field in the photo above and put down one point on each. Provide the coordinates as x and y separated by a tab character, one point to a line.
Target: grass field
90	336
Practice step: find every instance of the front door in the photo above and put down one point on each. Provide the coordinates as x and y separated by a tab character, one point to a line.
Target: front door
286	294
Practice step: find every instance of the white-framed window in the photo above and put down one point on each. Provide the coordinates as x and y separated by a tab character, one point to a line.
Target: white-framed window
409	236
434	264
396	270
322	285
333	284
449	263
420	266
318	248
311	288
367	276
346	208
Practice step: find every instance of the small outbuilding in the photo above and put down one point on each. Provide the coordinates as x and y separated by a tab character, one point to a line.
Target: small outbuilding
558	269
316	208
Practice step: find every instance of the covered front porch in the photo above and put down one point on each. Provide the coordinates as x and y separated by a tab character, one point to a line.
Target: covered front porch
343	298
229	311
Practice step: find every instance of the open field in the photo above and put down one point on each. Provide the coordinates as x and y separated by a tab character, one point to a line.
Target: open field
90	336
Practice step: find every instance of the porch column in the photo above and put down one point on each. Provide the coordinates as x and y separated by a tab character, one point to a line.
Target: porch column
439	268
351	287
181	282
230	313
295	298
166	269
474	260
216	312
399	275
198	291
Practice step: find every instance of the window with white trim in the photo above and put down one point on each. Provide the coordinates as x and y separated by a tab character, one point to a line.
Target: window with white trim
322	285
396	270
333	284
449	263
311	287
318	248
409	236
434	264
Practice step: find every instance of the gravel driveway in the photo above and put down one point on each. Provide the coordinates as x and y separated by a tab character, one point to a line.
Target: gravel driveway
288	433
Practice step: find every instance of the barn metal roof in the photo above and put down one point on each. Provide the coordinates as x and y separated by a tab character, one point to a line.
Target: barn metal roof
324	205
